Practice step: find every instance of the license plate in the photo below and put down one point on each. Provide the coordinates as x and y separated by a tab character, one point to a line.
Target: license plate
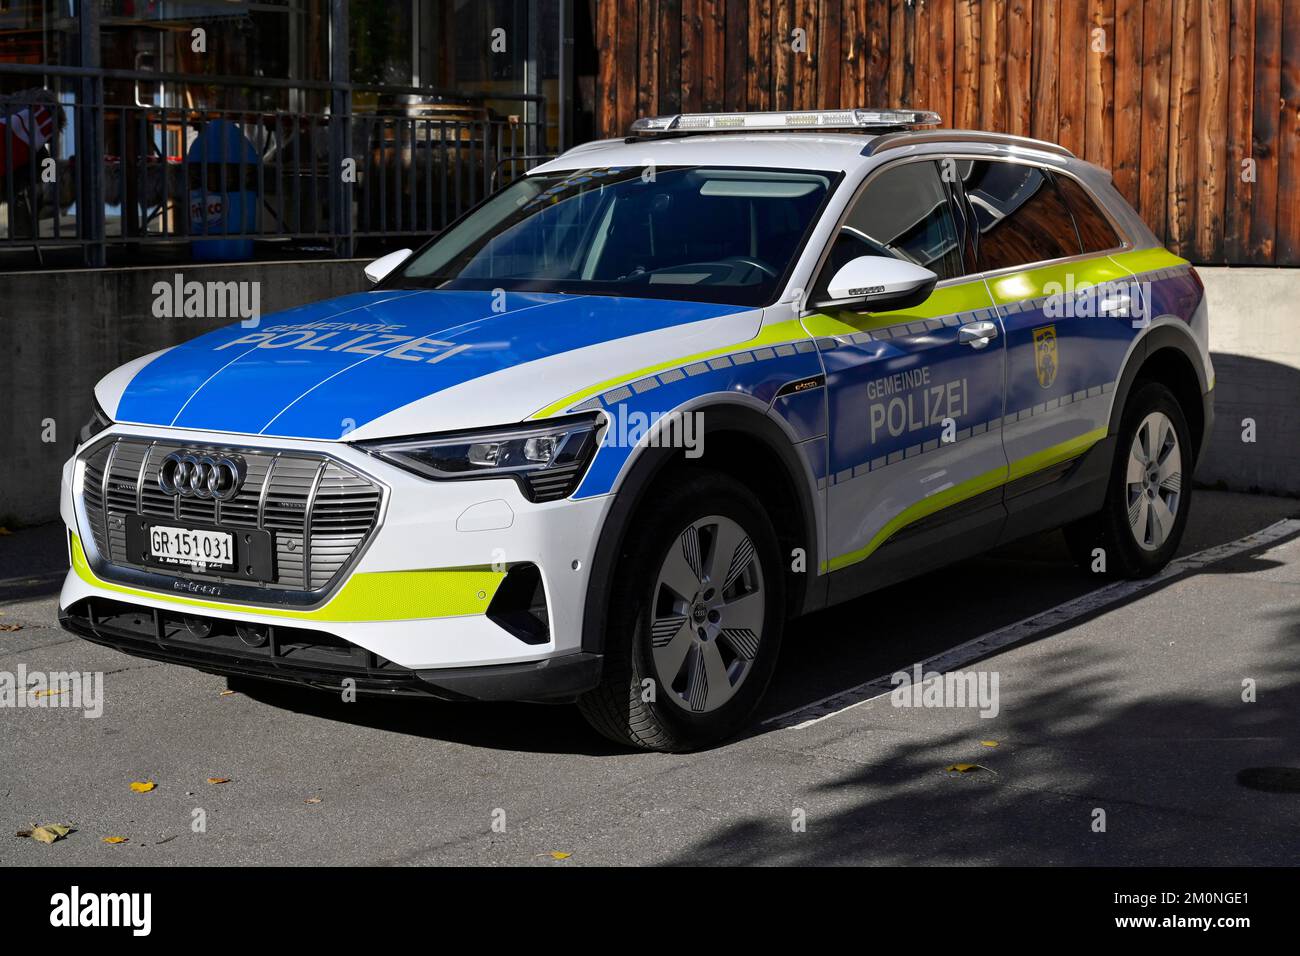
188	546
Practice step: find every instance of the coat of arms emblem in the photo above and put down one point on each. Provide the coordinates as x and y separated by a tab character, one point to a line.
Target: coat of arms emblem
1046	358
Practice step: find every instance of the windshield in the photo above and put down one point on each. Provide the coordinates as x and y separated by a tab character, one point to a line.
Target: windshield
725	235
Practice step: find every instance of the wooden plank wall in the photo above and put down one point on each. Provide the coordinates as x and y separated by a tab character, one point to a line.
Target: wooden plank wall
1194	105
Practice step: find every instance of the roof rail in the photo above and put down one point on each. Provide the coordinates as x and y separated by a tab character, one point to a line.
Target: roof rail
866	120
921	138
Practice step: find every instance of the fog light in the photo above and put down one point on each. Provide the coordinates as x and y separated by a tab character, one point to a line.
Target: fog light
254	635
197	627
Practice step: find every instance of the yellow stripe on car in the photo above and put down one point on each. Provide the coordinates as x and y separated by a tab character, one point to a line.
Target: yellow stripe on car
780	333
1148	260
1055	455
366	596
922	509
969	489
1032	283
945	300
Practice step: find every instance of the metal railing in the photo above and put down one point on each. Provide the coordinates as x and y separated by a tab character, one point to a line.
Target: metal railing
220	183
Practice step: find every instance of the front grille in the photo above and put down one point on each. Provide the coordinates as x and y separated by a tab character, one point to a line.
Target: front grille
319	511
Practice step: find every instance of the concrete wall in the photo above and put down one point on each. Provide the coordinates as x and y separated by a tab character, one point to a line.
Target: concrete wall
61	331
1255	345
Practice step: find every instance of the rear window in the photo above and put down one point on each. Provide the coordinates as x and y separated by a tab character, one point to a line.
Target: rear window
1095	231
1021	216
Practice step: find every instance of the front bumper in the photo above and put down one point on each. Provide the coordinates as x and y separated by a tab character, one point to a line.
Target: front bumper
317	659
417	598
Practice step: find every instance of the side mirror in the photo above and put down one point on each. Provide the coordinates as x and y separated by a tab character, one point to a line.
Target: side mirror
878	284
386	264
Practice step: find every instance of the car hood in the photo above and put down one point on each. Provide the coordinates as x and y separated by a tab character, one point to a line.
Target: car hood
352	366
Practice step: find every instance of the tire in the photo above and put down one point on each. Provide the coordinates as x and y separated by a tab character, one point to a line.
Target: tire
1149	493
718	645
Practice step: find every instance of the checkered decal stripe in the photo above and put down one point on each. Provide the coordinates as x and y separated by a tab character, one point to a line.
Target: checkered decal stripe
966	318
963	318
965	434
623	392
826	343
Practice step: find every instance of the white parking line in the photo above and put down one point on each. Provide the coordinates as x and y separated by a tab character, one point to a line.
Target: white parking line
1020	631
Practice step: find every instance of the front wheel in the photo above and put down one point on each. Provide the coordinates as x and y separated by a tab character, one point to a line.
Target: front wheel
1149	493
695	617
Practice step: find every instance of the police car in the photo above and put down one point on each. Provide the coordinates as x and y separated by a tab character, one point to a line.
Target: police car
602	437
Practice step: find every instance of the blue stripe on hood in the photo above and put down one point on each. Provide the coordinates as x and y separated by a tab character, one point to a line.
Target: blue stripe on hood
321	370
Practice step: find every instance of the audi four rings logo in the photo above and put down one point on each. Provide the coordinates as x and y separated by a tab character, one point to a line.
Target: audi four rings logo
193	475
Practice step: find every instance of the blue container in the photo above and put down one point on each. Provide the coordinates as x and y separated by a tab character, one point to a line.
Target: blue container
230	203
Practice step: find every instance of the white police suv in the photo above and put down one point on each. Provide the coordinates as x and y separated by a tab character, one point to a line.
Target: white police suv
606	433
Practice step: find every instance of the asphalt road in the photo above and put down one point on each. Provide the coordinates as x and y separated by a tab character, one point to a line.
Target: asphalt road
1134	710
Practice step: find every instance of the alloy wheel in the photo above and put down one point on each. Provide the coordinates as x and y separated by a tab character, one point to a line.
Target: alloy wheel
707	614
1154	481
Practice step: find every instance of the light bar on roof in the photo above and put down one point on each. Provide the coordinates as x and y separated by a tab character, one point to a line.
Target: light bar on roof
795	119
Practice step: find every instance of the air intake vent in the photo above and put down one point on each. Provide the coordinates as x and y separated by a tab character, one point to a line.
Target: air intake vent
519	605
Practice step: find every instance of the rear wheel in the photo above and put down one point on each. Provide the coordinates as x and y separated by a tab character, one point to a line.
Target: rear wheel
695	620
1149	493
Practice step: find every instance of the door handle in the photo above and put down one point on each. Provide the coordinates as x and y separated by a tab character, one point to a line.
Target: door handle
1116	305
977	334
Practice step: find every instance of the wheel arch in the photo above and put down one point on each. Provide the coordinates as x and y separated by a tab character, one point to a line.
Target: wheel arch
1168	354
743	441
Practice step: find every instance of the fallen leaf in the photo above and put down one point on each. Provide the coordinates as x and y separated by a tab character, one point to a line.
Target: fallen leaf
967	768
48	693
312	800
225	693
557	855
4	530
114	840
215	780
11	627
989	743
50	832
142	786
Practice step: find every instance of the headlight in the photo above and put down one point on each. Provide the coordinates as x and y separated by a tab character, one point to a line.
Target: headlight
547	459
98	422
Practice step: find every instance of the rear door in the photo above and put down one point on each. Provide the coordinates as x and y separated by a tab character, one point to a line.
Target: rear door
915	396
1066	331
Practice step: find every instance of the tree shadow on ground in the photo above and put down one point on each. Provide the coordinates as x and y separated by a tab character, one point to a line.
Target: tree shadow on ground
1088	733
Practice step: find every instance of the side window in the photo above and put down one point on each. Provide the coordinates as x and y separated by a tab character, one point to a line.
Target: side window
904	213
1020	215
1095	231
